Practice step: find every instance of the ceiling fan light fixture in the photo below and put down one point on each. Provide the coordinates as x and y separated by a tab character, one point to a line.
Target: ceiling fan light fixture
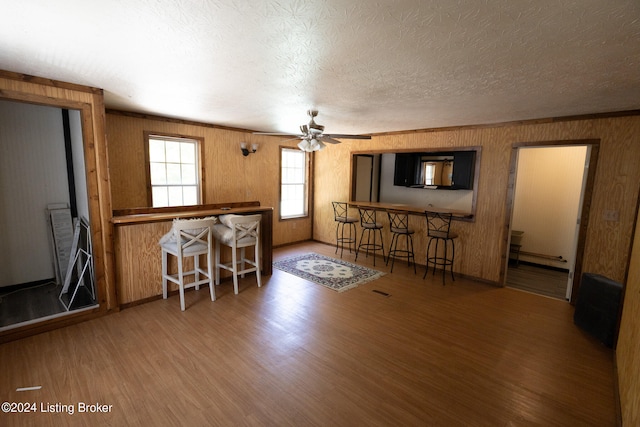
316	145
304	145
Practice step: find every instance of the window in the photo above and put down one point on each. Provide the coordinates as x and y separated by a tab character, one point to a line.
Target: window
429	173
173	171
294	174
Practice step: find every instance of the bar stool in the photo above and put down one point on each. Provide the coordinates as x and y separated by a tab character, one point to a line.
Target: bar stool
438	230
399	226
188	238
342	218
238	232
370	225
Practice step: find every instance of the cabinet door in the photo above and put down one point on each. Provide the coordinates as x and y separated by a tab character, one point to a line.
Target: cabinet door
405	172
463	169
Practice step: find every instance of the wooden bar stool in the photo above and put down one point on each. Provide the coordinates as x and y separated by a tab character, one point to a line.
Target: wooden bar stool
342	219
370	226
438	230
399	226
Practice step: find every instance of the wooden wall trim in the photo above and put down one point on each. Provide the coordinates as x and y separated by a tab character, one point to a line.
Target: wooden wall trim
145	116
560	142
49	82
539	121
31	98
592	116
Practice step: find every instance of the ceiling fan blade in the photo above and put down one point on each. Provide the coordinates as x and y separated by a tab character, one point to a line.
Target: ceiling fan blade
278	134
325	138
296	137
341	136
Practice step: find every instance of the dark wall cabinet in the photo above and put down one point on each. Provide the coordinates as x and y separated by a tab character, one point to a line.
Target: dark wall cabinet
463	170
406	171
410	169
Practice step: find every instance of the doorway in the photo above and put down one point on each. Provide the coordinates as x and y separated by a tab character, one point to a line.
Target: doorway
547	216
48	269
365	179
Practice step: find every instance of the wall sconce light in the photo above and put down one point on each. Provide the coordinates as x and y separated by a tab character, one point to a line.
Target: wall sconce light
246	151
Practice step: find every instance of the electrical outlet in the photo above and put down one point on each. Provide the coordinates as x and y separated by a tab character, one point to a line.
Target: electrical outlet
610	215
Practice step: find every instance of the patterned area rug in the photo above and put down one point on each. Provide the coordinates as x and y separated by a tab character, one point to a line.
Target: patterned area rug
332	273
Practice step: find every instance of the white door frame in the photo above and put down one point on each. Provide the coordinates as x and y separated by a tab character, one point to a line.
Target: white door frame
574	249
593	146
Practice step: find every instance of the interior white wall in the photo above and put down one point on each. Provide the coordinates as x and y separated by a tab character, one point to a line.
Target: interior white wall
546	201
461	200
32	175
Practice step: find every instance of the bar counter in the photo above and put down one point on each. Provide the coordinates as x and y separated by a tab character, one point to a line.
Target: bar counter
412	210
138	255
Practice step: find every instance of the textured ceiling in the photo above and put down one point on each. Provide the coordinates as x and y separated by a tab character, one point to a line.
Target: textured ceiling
368	66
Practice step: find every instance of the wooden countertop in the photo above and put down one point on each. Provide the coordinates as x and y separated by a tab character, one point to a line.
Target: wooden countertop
409	208
168	214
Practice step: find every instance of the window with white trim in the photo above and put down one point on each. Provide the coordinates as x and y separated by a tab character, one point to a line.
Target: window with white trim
173	171
429	173
294	177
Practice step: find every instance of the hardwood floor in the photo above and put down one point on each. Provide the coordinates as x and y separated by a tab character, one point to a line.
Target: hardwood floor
293	353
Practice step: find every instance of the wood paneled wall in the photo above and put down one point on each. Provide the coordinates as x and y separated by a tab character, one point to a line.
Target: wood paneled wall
482	246
628	349
229	176
142	240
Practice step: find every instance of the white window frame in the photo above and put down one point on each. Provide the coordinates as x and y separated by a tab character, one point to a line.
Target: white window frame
294	183
429	172
176	190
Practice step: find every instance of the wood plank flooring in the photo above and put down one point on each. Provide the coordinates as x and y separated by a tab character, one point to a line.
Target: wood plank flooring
293	353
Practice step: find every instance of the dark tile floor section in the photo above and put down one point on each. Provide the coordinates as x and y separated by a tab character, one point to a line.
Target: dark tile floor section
538	280
38	301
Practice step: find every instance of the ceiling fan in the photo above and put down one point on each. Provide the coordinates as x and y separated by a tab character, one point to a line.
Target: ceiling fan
312	135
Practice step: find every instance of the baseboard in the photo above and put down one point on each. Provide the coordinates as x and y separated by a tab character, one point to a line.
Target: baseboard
27	285
546	267
284	245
